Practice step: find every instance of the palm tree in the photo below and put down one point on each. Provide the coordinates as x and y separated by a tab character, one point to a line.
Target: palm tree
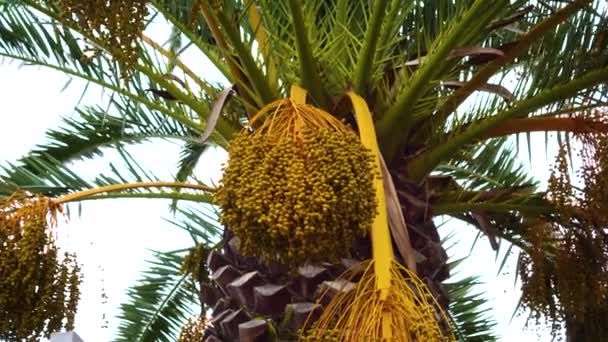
434	75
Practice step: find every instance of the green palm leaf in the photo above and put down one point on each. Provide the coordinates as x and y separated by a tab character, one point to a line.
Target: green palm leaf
486	166
159	303
469	312
165	297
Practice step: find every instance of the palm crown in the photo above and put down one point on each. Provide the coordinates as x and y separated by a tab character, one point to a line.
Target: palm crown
432	74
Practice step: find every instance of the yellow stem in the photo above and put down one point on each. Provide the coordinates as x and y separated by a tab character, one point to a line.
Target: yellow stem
298	94
382	248
121	187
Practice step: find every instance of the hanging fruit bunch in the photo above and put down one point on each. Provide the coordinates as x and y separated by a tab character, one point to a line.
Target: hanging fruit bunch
38	289
194	263
193	330
572	285
298	187
116	24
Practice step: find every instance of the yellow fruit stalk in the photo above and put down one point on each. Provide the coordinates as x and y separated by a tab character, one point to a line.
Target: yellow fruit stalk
381	240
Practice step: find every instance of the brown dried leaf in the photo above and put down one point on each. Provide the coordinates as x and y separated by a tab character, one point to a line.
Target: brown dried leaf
396	221
487	227
488	87
473	52
214	115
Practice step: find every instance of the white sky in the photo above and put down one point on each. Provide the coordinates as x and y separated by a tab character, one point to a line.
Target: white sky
111	238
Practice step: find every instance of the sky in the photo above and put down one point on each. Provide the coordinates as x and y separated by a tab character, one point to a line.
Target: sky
112	237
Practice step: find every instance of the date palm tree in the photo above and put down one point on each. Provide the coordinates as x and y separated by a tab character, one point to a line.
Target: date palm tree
448	82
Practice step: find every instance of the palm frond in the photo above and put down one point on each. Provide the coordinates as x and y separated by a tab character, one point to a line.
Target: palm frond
132	115
51	177
159	303
185	17
36	40
200	223
572	49
429	159
486	166
189	157
37	36
573	39
164	297
47	176
85	135
467	26
310	78
469	311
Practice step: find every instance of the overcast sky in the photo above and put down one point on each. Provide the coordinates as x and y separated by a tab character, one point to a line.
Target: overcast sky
112	236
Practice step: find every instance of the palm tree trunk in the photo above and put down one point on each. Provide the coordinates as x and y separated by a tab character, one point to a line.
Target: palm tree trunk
432	268
592	328
574	331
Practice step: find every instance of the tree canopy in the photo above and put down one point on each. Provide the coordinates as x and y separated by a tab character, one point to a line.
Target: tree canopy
447	84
